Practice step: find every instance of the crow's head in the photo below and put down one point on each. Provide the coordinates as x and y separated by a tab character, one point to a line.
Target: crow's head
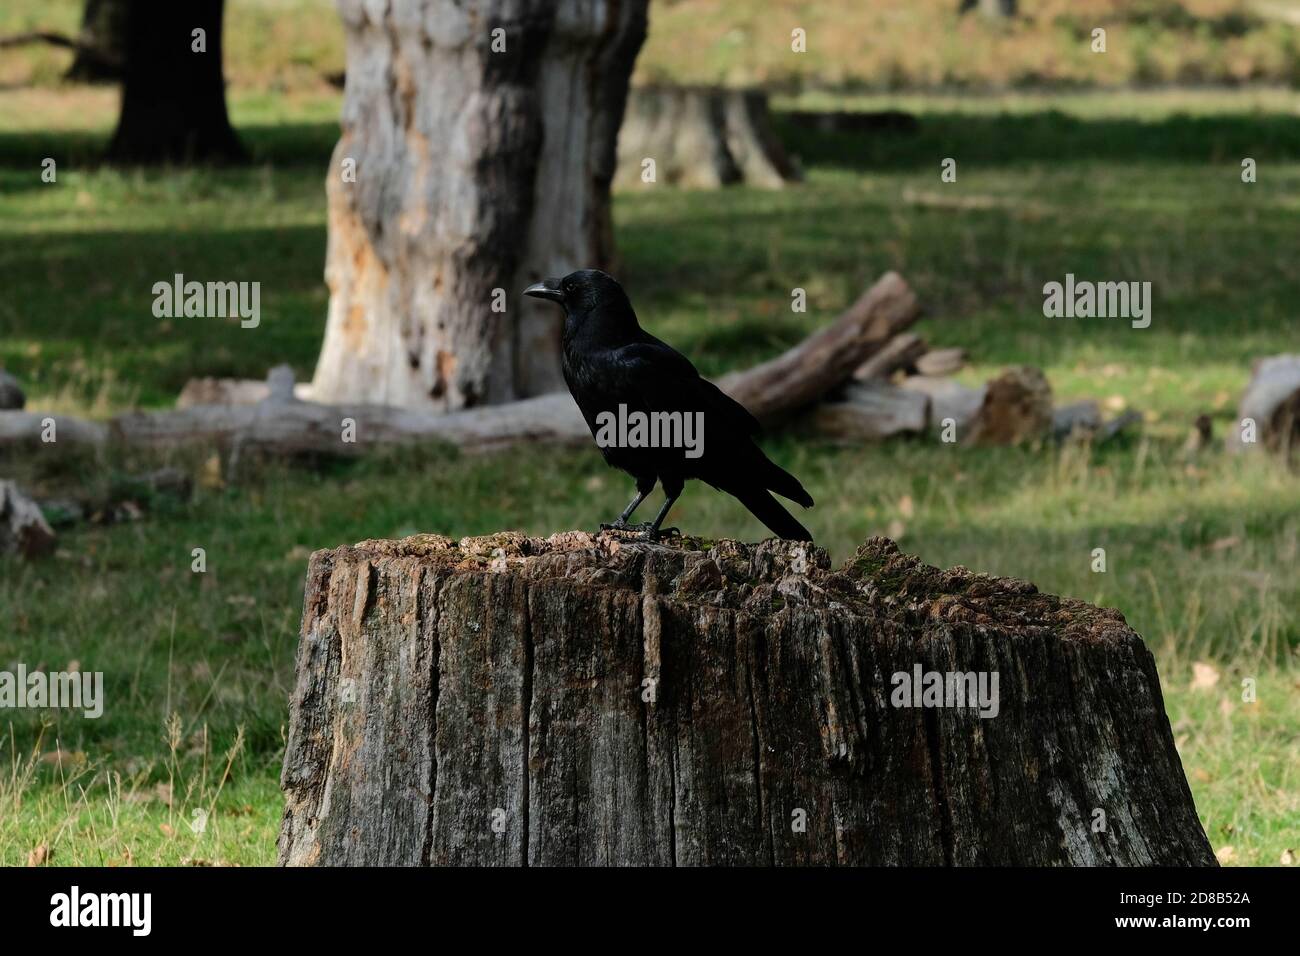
581	292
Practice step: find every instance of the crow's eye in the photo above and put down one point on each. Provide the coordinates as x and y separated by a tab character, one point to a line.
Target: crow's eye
568	288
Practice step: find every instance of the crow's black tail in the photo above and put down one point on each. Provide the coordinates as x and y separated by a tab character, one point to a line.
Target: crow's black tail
769	511
775	478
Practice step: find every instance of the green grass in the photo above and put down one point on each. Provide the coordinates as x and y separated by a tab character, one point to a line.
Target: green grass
1201	553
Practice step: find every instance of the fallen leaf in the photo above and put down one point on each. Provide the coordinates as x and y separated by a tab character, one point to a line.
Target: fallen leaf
1204	676
210	473
1225	854
64	758
896	530
167	830
1288	857
39	856
906	508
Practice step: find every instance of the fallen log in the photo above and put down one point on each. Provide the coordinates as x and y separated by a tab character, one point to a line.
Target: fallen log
871	411
898	353
599	700
950	402
33	429
11	393
1076	420
940	362
1269	412
23	529
828	357
284	426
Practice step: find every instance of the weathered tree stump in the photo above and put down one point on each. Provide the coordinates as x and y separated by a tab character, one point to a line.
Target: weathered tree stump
601	700
700	137
1269	412
1017	408
23	528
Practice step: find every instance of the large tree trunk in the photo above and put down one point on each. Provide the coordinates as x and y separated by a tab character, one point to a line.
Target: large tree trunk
599	700
173	96
101	51
476	171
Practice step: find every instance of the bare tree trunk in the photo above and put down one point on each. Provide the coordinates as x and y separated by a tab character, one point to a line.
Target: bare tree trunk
483	139
595	700
173	94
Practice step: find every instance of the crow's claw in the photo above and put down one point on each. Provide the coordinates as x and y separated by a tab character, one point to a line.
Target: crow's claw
624	526
653	535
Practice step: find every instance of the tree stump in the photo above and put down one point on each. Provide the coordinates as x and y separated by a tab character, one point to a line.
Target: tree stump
23	528
1269	412
595	699
701	137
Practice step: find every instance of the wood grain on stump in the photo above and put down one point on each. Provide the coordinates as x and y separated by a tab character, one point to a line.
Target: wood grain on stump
599	700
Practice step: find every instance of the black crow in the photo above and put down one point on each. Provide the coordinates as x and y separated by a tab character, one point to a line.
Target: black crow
653	416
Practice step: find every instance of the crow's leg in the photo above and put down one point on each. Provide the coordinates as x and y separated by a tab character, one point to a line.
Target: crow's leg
673	490
643	489
654	531
620	523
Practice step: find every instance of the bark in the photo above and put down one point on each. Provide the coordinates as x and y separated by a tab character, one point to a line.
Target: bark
702	138
11	393
594	700
872	411
949	401
476	170
101	44
941	362
174	97
23	528
898	353
1078	419
829	357
1272	402
993	9
1017	408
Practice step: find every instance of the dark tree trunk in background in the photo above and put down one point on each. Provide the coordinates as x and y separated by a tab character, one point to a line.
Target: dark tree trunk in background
476	169
102	51
596	700
994	9
173	98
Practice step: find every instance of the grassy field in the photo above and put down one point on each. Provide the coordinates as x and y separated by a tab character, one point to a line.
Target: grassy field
1202	552
850	45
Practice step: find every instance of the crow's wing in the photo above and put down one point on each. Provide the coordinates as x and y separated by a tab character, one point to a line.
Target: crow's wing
666	380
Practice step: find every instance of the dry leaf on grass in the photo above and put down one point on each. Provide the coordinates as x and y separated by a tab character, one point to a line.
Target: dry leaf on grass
1204	676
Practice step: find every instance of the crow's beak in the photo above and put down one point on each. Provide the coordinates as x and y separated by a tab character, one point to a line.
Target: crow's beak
546	289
